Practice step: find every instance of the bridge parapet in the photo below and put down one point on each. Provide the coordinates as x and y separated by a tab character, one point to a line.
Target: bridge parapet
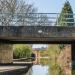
35	26
22	32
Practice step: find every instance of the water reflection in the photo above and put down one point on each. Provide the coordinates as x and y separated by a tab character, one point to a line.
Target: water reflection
45	67
39	70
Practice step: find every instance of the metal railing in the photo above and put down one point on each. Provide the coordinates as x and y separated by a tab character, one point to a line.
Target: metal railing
35	19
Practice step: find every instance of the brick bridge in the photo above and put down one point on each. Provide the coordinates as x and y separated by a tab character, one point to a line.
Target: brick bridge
12	32
33	34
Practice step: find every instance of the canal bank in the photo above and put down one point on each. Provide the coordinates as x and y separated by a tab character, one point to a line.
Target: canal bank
15	69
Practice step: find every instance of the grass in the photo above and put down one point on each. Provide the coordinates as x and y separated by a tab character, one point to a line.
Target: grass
73	72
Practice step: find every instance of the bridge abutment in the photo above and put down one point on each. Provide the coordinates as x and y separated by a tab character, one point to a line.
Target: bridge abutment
6	54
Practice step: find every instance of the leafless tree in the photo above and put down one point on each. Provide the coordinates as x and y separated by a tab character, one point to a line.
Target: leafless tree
43	20
25	17
7	9
15	12
18	12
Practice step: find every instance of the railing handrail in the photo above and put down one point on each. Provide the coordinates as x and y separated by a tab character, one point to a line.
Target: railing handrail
37	13
34	19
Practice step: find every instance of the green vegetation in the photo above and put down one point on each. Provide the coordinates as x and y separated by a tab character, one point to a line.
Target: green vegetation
44	61
44	53
21	51
73	72
52	52
56	69
66	17
61	46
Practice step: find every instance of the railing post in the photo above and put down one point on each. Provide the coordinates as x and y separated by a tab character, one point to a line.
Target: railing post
57	19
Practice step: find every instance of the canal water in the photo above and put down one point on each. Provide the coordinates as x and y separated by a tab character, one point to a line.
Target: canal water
45	67
39	70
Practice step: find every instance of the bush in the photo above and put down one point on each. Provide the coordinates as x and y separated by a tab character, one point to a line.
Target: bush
21	51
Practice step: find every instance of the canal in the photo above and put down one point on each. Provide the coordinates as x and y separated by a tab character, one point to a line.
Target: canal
45	67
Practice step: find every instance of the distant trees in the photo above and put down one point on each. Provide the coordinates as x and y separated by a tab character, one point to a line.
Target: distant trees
7	6
22	51
24	17
43	20
9	10
17	12
66	16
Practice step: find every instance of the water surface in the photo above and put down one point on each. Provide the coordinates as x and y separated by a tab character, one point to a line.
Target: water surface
45	67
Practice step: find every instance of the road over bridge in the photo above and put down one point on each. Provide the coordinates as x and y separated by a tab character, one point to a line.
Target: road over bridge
37	34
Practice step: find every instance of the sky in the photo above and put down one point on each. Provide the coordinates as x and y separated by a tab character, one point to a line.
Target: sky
50	6
36	46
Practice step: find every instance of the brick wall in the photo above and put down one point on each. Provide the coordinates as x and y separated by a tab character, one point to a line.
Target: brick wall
64	59
6	53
